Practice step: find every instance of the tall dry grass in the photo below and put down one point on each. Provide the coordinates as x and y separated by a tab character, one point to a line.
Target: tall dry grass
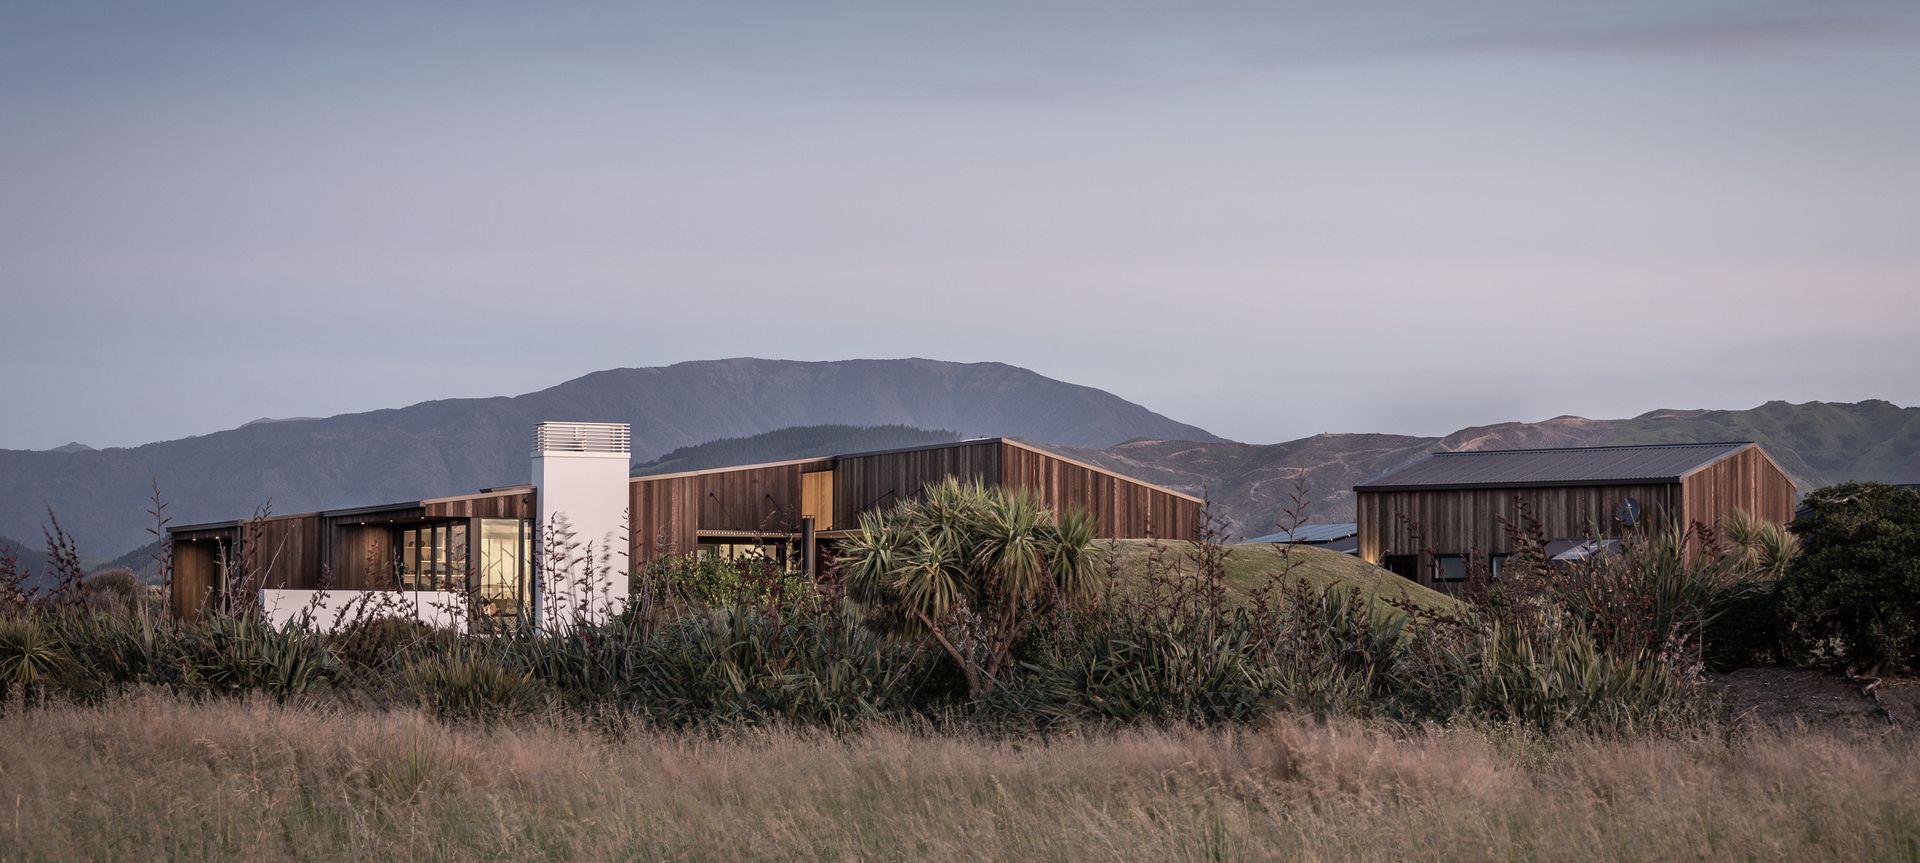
160	777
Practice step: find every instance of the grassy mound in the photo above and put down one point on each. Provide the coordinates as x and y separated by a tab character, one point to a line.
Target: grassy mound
1250	565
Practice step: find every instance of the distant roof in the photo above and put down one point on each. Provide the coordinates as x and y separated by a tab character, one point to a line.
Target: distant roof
1511	468
1312	533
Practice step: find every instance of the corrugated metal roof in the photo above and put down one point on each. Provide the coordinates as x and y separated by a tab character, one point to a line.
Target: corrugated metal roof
1508	468
1312	533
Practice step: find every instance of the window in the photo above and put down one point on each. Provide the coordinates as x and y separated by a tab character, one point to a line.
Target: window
505	548
1406	566
1449	567
432	556
747	550
1497	565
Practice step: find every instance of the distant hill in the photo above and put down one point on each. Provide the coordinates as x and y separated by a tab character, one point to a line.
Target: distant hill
1817	443
457	445
709	414
791	443
30	560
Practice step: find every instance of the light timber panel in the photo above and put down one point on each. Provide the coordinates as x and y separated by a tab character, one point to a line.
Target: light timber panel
1747	481
195	576
816	498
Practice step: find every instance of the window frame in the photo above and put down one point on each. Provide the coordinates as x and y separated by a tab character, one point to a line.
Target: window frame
1438	568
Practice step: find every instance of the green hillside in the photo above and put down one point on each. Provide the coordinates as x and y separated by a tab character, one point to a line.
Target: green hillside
1250	565
1818	443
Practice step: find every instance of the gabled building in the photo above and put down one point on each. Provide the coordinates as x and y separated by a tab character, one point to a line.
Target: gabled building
477	552
1439	518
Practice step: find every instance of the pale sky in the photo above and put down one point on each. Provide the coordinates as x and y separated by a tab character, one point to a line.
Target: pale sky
1266	219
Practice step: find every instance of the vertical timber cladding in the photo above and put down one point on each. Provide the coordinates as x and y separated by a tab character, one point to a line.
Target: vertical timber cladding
1746	481
816	497
879	480
196	571
667	511
1460	521
662	515
283	552
1122	508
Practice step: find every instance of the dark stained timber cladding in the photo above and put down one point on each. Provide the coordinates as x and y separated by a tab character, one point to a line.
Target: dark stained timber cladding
517	505
1461	521
663	516
1122	508
876	481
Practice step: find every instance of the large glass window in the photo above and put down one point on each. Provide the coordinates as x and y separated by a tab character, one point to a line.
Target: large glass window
1449	567
433	556
773	551
504	555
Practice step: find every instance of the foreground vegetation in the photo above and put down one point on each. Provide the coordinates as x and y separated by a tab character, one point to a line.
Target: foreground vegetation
972	609
152	777
979	679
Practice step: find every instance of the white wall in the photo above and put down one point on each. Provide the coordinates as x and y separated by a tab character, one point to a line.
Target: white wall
582	533
331	607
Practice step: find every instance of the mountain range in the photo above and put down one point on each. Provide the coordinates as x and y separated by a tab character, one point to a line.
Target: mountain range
459	445
1250	485
711	413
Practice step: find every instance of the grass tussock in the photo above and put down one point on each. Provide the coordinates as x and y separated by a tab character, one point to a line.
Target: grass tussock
159	777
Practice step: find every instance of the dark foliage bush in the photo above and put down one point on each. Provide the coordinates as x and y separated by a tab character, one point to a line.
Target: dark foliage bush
1750	629
1853	595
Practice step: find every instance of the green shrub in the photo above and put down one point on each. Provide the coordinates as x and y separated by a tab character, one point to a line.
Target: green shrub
474	686
1854	593
29	655
1749	629
1558	677
379	643
245	654
715	581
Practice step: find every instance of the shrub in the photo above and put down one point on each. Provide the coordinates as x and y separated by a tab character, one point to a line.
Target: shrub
377	643
1854	594
972	568
238	655
29	655
468	685
110	589
1750	629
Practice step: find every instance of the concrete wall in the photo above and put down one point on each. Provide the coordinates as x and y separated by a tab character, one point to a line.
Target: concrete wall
323	610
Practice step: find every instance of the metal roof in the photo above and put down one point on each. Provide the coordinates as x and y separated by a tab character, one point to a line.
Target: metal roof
1513	468
1312	533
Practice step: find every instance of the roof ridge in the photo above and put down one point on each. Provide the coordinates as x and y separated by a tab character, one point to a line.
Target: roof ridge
1724	443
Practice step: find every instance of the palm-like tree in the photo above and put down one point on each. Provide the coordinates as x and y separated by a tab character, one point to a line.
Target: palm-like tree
966	552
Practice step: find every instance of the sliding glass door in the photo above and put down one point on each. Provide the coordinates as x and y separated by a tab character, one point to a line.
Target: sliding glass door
504	552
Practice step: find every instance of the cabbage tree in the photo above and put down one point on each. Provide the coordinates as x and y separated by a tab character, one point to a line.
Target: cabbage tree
970	566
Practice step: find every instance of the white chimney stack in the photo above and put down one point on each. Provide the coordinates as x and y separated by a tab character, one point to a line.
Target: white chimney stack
580	480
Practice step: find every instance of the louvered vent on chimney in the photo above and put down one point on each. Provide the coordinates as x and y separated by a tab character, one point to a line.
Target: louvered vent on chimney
582	437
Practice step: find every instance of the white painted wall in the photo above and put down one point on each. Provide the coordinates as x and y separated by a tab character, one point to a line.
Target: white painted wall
327	608
582	532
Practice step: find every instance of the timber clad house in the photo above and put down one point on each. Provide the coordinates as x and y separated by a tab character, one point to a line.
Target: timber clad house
478	551
1440	518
